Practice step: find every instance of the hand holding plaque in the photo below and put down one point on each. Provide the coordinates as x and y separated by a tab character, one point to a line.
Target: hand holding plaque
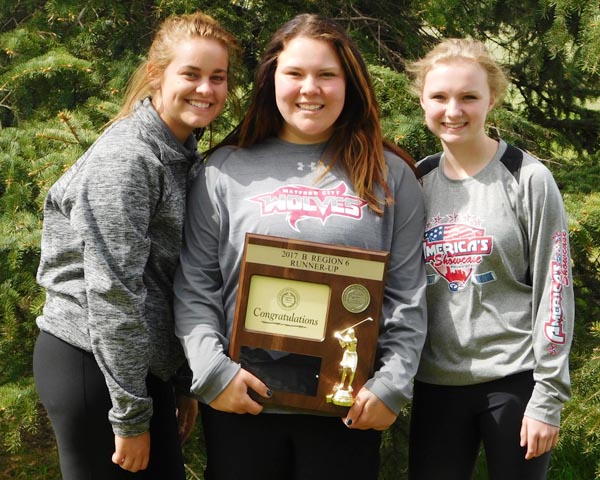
298	303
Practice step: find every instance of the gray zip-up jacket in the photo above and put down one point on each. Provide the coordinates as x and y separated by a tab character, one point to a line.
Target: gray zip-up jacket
111	240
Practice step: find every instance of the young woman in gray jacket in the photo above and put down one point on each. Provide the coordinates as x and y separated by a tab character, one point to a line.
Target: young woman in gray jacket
106	354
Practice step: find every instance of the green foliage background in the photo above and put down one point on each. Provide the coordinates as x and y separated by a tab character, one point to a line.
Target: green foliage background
63	68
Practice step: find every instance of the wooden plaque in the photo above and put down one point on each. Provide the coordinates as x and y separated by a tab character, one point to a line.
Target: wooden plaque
293	297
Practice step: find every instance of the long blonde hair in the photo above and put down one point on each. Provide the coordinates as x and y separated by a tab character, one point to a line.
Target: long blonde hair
172	31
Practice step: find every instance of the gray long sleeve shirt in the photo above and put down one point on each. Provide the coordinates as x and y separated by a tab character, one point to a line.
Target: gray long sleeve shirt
272	189
500	294
111	240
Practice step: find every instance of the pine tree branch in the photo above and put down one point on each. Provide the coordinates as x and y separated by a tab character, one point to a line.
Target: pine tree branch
65	119
58	139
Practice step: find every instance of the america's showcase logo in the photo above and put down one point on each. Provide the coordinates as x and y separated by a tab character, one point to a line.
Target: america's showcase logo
454	246
553	328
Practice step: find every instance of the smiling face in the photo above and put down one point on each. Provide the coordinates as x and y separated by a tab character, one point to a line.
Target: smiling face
193	88
310	88
456	99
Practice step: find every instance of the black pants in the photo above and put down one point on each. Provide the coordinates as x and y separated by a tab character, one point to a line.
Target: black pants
449	423
287	447
74	393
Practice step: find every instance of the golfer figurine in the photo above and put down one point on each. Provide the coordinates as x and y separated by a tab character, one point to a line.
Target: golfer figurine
342	394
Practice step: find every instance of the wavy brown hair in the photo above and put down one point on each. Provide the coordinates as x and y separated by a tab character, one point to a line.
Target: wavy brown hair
357	142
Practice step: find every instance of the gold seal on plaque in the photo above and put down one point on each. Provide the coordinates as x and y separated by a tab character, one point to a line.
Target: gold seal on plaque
356	298
288	298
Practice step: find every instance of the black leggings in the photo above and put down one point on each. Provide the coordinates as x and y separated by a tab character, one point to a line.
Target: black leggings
272	446
449	423
74	393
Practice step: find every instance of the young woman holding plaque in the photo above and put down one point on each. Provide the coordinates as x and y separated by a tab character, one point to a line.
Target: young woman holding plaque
106	354
311	133
500	299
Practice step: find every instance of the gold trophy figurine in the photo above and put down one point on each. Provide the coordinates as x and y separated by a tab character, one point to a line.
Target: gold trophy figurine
342	391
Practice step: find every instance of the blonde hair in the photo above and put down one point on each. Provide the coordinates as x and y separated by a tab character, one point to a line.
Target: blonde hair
460	48
172	31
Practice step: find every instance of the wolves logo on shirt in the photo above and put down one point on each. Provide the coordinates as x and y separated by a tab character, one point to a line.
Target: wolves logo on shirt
300	202
454	250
